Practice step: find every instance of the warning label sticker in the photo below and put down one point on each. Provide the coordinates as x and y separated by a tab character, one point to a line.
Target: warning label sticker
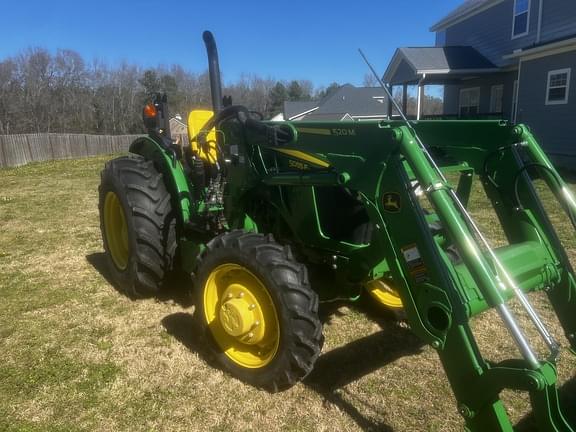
415	263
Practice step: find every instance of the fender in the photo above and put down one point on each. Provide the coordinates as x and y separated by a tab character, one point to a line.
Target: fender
172	170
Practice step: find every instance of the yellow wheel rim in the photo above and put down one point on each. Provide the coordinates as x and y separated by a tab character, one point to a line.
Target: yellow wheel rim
241	316
116	230
384	293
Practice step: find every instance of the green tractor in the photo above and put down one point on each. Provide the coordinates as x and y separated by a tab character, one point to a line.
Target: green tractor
248	206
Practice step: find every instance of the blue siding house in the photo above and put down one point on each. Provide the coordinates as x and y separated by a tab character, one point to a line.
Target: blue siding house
511	59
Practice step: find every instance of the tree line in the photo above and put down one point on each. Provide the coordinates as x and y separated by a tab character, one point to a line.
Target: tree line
42	91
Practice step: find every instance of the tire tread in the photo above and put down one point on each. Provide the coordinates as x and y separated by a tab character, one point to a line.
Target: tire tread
301	302
154	221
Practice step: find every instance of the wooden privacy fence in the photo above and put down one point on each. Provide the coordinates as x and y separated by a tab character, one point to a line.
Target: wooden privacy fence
16	150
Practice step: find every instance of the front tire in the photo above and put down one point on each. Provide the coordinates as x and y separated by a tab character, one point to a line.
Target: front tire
256	308
138	225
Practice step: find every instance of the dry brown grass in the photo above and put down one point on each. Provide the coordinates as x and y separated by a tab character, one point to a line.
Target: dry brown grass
77	355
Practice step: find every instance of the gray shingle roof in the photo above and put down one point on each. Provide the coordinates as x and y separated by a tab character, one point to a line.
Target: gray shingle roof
347	99
436	60
356	101
325	116
449	57
292	108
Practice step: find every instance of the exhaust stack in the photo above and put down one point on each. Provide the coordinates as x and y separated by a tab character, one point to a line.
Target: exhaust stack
214	71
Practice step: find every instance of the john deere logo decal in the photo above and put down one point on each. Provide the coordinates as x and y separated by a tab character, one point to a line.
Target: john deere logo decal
391	202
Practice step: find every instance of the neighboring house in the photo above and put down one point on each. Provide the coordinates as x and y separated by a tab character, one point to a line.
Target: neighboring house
178	129
346	103
177	125
513	59
296	110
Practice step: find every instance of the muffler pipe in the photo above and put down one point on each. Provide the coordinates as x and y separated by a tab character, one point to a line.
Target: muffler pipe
214	71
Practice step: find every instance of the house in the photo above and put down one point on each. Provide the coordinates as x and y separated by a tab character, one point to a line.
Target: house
178	129
345	103
296	110
177	125
511	59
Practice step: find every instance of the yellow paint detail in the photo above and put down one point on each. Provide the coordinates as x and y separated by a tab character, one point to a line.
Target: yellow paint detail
315	131
384	293
241	316
116	230
304	156
196	121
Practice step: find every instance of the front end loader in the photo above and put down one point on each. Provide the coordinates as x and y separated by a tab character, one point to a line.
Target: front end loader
247	206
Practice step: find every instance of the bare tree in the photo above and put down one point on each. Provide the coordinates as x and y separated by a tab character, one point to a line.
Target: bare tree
370	80
9	95
68	92
252	91
36	75
61	92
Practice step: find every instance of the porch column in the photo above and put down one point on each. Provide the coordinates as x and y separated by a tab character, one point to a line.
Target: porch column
420	107
405	98
390	104
420	100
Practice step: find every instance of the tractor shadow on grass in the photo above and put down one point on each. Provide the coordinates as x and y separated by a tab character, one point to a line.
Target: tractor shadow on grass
184	328
176	289
333	370
341	366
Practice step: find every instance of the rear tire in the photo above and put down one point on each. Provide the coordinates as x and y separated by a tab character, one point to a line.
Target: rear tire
257	311
138	225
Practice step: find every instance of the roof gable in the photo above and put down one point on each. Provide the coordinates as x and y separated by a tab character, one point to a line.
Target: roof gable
438	60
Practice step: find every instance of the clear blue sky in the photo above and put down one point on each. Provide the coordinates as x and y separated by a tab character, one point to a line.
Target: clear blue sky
316	40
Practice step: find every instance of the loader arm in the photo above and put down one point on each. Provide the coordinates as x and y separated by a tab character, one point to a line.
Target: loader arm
380	163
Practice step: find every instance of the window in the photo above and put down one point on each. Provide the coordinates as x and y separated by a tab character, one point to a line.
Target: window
521	18
496	93
469	101
558	87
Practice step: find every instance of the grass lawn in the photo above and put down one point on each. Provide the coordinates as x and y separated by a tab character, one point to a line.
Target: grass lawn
75	354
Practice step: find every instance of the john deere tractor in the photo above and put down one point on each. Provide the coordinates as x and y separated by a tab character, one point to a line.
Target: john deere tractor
248	206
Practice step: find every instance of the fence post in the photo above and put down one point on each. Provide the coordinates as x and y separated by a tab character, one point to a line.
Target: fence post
51	147
86	144
32	159
3	162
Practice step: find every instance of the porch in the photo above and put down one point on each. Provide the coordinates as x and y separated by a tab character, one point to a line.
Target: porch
459	82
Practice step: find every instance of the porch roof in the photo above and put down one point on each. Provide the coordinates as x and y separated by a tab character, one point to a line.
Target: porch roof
412	64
